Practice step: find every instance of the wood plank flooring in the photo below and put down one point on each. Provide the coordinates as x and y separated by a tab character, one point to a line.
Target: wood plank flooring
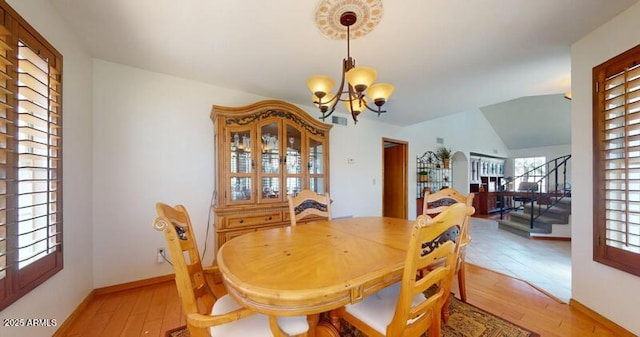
151	310
520	303
144	311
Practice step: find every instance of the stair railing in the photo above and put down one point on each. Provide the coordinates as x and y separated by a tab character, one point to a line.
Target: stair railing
541	199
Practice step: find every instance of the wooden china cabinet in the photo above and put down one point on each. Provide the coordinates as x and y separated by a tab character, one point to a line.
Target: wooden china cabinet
264	152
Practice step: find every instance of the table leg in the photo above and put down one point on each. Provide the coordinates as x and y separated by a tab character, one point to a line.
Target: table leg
321	327
334	318
325	329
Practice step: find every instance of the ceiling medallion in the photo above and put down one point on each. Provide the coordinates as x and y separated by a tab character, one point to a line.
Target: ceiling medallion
328	13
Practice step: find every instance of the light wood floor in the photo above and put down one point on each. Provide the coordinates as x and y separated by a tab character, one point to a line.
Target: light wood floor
151	310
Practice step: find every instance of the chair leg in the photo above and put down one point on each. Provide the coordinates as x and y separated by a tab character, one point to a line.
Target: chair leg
462	286
435	330
444	311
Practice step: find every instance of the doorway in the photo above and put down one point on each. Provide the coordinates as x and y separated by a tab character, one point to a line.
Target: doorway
394	178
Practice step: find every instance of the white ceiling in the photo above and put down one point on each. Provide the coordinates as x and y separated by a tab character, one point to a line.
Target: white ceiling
532	121
443	56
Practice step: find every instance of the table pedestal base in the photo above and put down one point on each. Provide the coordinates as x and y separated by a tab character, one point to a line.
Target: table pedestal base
325	329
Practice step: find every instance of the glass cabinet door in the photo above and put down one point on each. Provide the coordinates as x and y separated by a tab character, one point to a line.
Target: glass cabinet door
270	168
316	153
241	164
293	160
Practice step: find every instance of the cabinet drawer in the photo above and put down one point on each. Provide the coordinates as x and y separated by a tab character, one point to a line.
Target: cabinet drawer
233	234
255	219
225	236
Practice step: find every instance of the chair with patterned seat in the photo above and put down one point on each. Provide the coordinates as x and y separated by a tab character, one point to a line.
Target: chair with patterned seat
308	204
403	309
435	203
207	315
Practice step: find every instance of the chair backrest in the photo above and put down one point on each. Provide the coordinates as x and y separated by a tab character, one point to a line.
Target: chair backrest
308	203
528	186
435	203
195	294
426	249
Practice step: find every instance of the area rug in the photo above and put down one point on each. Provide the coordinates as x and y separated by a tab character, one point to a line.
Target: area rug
466	320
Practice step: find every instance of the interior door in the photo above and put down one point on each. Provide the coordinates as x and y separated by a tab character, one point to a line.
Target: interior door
395	173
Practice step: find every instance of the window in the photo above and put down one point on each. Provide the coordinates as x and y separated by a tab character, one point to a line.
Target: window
30	158
616	141
531	169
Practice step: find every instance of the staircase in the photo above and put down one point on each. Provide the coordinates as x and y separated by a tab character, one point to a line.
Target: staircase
550	224
546	209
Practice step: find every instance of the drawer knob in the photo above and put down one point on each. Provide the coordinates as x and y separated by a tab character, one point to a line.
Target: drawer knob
269	219
241	221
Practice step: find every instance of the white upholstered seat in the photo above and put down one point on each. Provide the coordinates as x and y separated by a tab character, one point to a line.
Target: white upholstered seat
256	325
377	309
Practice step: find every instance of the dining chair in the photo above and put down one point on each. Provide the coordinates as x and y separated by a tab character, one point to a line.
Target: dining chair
207	315
435	203
308	203
526	193
403	309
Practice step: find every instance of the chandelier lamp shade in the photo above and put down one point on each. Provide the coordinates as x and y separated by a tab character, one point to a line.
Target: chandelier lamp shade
360	91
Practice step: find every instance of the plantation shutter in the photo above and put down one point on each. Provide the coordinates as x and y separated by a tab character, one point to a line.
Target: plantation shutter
30	159
6	152
617	162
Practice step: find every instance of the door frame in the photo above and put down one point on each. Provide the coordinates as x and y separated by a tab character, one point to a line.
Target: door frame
401	188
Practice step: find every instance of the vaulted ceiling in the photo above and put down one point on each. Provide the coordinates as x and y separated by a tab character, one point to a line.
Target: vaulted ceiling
443	56
532	121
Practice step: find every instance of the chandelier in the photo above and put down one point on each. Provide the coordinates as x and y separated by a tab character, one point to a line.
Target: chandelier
360	92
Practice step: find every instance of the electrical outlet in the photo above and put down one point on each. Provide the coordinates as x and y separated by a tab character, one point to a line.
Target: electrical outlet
160	255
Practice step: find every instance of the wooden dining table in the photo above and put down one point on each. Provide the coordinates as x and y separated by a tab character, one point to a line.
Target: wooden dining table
315	267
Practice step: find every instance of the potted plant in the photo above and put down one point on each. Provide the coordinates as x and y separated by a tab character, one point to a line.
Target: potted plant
423	176
445	155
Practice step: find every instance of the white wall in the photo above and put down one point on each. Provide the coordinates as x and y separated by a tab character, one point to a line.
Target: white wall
153	141
606	290
356	188
465	132
60	295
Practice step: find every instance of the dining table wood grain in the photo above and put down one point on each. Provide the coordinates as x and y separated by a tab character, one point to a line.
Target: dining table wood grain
315	267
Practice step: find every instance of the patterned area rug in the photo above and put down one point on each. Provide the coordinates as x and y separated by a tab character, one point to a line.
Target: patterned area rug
466	320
